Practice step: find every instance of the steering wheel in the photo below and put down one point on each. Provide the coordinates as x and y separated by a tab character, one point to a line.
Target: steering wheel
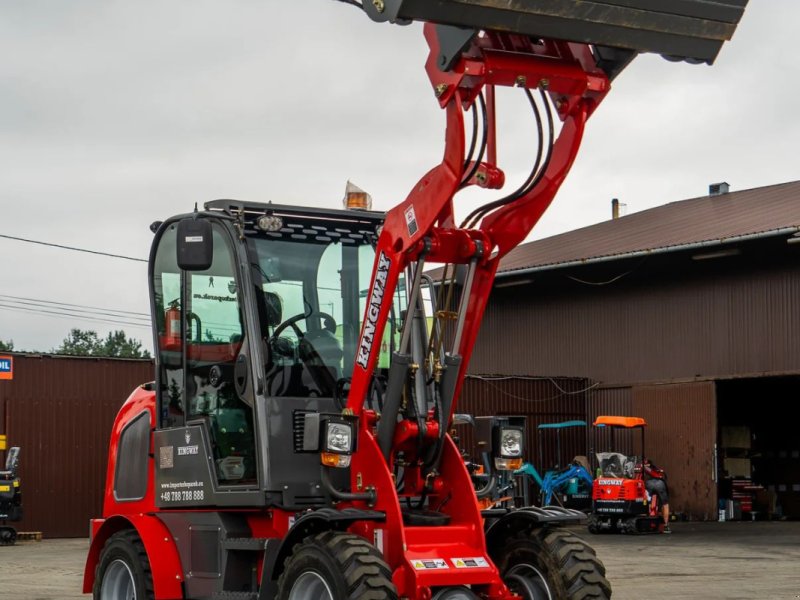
329	323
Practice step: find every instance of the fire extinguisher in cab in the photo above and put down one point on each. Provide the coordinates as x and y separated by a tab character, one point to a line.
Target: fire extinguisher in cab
172	320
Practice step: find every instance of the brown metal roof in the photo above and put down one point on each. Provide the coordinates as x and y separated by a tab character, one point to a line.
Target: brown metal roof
708	220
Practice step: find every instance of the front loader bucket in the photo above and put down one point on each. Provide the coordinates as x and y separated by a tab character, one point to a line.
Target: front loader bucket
692	30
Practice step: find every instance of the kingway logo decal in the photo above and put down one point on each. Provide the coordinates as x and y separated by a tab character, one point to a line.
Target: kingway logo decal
373	311
187	449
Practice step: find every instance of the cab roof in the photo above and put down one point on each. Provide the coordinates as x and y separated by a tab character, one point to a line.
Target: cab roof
562	425
615	421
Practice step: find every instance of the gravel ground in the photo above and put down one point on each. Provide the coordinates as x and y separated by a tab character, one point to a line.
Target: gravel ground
704	561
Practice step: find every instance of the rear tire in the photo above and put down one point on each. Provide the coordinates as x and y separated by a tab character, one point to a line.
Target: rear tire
336	566
123	571
552	564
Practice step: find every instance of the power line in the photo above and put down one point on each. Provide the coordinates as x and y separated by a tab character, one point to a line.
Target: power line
99	314
78	311
97	252
122	313
89	318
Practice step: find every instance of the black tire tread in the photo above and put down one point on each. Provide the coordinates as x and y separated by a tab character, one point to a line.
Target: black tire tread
583	574
131	538
367	575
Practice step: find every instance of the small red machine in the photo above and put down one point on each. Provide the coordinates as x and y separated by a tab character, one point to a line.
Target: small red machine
620	501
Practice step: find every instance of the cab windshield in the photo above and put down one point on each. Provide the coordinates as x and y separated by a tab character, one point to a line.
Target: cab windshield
311	283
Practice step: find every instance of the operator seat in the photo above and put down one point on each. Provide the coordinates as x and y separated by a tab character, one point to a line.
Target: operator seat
12	462
282	378
270	315
274	306
270	310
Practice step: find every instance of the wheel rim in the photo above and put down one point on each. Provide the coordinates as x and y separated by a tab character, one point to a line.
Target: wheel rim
118	582
528	582
310	586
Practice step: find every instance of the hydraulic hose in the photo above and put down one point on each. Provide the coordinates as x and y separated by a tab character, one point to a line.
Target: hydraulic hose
538	169
370	496
487	490
476	165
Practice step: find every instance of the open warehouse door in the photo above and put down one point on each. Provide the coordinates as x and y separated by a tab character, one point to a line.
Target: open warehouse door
758	458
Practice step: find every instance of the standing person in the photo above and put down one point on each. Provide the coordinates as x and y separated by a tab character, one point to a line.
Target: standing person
655	482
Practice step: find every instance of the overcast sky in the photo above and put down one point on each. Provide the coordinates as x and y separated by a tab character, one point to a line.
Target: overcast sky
114	114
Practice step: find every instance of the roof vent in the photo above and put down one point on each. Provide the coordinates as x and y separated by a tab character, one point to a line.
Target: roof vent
717	189
617	208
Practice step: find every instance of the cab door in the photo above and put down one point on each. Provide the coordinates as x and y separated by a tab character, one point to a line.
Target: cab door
205	441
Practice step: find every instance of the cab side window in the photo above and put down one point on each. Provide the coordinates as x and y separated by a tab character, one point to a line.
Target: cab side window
214	340
168	313
199	365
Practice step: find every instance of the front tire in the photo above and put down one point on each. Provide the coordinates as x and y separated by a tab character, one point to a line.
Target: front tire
123	571
336	566
552	564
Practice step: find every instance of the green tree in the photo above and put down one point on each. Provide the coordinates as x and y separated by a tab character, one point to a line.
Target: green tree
116	344
119	345
6	346
79	343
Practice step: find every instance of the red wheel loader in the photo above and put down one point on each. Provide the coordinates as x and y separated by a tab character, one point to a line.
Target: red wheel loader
294	443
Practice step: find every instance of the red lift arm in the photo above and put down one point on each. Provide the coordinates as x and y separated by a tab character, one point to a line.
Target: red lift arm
423	229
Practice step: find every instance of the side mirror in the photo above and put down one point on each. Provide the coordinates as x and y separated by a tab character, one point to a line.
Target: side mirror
195	244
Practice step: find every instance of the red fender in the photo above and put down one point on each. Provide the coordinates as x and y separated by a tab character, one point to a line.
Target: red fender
165	563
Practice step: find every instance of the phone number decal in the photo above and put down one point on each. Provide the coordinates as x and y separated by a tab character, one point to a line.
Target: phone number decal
182	496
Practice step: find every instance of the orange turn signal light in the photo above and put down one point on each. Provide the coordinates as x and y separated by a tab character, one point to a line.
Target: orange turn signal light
339	461
508	464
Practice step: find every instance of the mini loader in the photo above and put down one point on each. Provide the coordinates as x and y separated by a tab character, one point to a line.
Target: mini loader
10	498
620	501
273	457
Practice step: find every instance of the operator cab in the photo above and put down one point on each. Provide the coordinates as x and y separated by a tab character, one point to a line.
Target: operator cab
258	328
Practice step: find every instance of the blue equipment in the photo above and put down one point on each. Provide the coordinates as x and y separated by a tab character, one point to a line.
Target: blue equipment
569	486
573	484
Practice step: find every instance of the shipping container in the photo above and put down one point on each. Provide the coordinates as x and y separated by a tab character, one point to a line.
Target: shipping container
59	411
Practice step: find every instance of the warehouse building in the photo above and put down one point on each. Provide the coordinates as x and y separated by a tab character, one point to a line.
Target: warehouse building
686	315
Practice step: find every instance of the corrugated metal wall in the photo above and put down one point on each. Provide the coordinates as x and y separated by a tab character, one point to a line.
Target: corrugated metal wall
540	400
680	437
611	402
713	325
60	412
